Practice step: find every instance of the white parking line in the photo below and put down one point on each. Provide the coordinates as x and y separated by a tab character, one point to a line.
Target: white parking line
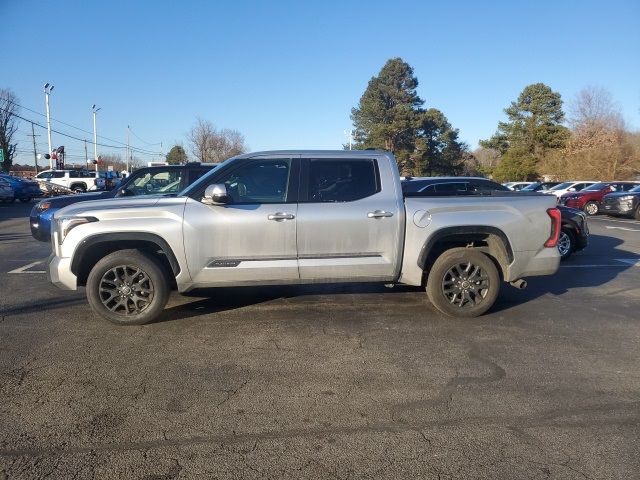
622	228
626	262
25	268
602	219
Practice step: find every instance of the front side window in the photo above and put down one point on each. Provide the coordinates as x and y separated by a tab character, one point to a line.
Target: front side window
157	182
342	180
57	174
261	181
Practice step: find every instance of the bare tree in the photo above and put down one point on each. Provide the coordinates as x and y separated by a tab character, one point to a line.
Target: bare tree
594	108
8	126
209	144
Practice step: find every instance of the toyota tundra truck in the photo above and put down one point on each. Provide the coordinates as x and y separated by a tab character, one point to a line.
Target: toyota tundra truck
292	217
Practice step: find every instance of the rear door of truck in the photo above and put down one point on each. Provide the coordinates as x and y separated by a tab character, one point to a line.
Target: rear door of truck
350	223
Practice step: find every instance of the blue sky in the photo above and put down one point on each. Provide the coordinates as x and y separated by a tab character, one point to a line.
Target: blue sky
286	74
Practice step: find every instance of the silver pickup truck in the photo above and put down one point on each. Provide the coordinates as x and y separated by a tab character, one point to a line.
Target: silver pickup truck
287	217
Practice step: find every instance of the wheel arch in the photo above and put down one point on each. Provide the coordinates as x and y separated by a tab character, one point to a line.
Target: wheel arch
490	240
95	247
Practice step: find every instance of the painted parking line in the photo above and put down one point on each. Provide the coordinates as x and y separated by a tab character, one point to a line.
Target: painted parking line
622	228
25	268
617	220
623	263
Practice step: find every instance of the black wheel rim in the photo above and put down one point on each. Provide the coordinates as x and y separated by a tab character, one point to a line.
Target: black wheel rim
126	290
564	243
465	285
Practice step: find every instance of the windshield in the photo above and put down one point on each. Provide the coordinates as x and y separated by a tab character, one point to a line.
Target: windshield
635	189
562	186
596	187
532	187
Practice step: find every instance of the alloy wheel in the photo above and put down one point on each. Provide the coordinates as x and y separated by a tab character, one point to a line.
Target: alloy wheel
126	290
564	243
465	285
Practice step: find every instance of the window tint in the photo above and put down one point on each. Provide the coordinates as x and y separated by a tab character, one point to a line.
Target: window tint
263	181
342	180
45	175
451	188
57	174
487	186
157	182
74	174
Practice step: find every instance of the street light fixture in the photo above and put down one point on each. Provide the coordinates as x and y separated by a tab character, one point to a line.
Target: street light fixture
48	88
95	135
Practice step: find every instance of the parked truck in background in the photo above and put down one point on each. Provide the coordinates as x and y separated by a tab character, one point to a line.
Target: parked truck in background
288	217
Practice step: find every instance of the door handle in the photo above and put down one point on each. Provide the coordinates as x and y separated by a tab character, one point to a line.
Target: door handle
281	216
379	214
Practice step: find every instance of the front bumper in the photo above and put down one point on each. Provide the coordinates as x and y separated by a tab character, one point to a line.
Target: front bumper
40	228
617	208
59	273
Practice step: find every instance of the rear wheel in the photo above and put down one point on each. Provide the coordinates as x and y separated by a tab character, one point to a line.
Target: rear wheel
637	213
463	283
79	188
128	287
591	208
566	243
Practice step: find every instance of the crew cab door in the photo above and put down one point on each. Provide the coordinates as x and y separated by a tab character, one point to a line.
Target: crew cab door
252	239
350	220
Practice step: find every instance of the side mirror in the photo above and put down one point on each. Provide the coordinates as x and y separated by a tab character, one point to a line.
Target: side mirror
216	194
571	189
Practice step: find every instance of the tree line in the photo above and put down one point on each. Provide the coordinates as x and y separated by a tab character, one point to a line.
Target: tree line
533	142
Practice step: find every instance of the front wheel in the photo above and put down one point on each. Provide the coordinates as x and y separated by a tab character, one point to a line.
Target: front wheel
566	243
463	283
128	287
591	208
637	213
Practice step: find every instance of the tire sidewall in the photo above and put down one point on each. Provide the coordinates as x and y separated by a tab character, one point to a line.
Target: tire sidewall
442	265
150	266
572	243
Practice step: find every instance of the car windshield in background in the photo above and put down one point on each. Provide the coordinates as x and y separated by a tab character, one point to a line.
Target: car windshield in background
531	188
596	187
635	189
562	186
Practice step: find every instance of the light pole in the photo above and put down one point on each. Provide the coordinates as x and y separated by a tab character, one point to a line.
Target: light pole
350	135
48	88
95	136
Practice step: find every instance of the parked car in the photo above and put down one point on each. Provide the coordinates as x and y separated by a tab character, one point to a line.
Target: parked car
624	204
144	181
6	192
540	186
590	198
23	189
78	180
517	186
291	217
572	186
574	235
450	185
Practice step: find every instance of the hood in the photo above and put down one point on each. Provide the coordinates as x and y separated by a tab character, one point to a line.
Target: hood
117	206
63	201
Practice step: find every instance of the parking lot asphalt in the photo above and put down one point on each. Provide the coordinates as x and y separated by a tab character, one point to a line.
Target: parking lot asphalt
355	381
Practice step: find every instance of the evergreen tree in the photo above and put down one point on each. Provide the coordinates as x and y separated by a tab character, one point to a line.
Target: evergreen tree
389	110
438	151
177	155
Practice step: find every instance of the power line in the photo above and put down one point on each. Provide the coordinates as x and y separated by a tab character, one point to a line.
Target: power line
80	129
134	149
146	143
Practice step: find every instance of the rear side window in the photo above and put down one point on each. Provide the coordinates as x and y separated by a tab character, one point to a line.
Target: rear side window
451	188
342	180
486	186
57	174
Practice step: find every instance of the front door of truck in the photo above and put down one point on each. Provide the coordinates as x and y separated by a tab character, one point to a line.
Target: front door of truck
251	239
349	221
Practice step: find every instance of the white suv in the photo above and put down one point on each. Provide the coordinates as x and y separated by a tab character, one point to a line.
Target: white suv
77	180
572	186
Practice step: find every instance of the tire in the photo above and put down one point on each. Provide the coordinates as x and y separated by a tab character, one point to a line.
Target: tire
79	188
463	264
591	208
110	275
566	243
636	214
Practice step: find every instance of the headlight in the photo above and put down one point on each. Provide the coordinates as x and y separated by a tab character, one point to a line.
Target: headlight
42	206
65	224
626	198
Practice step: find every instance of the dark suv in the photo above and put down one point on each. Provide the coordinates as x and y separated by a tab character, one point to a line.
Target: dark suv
625	204
162	180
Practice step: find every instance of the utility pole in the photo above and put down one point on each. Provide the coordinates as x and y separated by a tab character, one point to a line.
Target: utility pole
128	149
48	88
350	134
35	152
95	136
86	155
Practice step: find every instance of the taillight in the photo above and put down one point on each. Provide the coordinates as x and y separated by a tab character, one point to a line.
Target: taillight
556	218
